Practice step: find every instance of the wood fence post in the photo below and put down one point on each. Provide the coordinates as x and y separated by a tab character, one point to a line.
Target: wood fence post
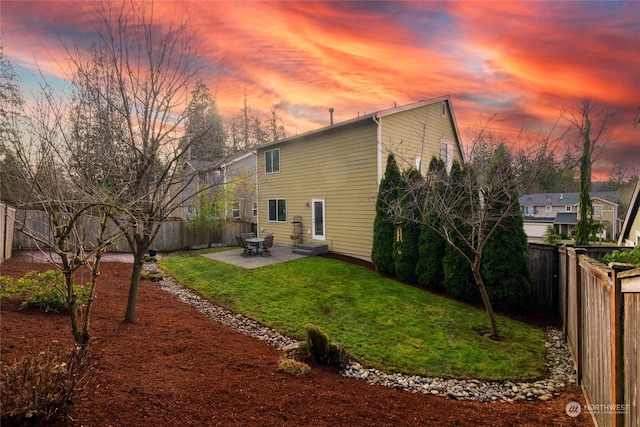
617	343
579	352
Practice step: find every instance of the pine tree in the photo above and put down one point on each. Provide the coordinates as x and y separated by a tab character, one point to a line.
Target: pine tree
383	226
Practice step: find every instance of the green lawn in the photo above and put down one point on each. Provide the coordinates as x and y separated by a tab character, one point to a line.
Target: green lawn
382	323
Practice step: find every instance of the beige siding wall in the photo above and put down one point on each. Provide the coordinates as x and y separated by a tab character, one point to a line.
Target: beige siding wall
417	133
339	167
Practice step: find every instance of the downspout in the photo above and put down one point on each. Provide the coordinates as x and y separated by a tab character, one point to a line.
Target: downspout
379	146
256	197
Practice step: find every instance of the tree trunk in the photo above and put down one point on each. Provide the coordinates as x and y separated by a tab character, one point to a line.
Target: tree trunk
138	261
485	298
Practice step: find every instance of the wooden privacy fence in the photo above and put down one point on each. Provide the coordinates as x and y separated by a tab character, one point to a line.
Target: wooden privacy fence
601	328
7	220
174	234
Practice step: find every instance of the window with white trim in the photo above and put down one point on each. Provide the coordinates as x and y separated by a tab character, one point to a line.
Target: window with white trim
567	208
254	210
277	210
235	210
529	210
547	208
446	153
597	210
272	161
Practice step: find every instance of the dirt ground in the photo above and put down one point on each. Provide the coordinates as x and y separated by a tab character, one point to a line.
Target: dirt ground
176	367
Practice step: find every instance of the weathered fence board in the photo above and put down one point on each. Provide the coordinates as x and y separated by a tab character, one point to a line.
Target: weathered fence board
630	288
596	330
7	220
543	266
174	234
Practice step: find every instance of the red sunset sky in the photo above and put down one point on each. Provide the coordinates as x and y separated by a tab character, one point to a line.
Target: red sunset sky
525	61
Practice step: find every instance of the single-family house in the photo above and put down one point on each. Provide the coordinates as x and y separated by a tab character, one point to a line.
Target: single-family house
229	184
561	210
630	232
321	186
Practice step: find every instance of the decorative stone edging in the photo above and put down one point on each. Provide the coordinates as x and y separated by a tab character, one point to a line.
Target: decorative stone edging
559	361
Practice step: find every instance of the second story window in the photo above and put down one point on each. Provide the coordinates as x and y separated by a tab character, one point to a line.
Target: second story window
272	161
235	210
597	210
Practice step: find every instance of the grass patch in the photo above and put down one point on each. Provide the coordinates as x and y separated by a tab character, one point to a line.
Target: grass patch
380	322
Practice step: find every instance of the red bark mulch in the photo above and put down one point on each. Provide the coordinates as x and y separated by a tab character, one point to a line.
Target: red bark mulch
175	366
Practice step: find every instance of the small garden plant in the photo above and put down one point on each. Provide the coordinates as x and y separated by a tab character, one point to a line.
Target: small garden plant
39	387
627	256
45	291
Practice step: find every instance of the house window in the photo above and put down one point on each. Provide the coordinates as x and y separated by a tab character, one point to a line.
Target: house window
547	208
597	210
418	163
272	161
254	209
446	153
528	210
443	109
278	210
567	208
235	210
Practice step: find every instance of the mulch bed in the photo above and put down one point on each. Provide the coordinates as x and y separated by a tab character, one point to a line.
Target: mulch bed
175	366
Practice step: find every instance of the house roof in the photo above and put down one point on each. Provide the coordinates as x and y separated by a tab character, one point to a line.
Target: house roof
634	207
207	165
566	218
373	117
563	199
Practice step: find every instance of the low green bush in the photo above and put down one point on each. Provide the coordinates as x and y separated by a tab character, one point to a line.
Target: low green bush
38	388
325	352
626	256
45	291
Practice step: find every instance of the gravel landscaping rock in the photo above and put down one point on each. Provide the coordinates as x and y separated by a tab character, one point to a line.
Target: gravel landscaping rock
559	361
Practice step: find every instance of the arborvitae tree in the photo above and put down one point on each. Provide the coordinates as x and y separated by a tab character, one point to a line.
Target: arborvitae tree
405	246
505	266
383	226
431	246
458	277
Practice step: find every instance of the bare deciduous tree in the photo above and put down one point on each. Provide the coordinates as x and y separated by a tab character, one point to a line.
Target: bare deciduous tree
138	81
467	212
585	134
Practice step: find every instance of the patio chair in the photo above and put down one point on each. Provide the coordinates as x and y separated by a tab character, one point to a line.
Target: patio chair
266	245
247	250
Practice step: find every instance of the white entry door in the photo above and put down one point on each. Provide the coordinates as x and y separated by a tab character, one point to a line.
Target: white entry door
317	218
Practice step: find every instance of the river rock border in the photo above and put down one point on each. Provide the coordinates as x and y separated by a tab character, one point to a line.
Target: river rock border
559	362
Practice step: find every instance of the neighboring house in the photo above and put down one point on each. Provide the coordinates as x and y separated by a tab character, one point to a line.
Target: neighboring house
561	209
230	185
328	178
630	233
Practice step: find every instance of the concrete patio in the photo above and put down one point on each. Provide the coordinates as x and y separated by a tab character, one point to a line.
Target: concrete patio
279	253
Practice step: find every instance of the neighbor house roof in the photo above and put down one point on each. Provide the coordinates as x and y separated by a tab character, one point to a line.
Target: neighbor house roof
555	199
566	218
